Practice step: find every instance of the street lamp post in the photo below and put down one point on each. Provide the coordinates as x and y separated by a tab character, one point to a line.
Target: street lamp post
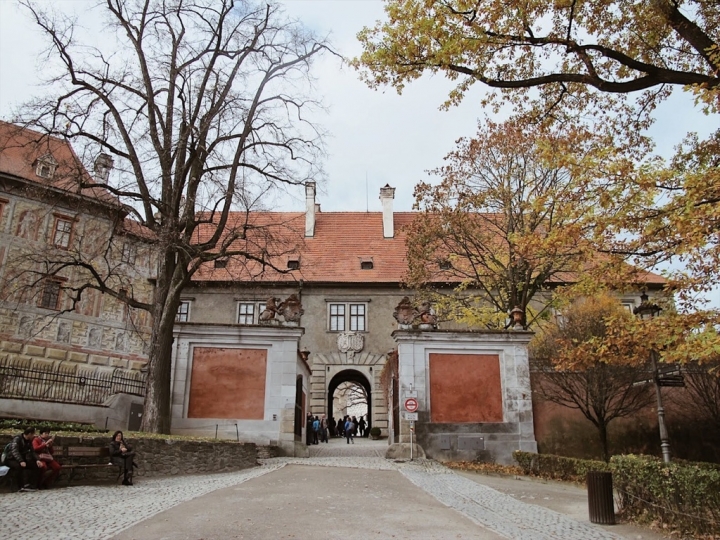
646	310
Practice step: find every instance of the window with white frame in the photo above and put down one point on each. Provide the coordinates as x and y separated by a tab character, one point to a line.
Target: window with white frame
347	316
357	317
63	230
183	312
246	312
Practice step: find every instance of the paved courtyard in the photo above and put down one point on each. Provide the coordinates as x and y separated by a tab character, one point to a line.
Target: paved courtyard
336	496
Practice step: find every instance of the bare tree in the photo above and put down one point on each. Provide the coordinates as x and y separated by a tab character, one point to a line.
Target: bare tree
702	393
202	107
353	394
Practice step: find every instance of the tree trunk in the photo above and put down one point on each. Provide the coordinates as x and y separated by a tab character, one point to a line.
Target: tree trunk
156	414
602	431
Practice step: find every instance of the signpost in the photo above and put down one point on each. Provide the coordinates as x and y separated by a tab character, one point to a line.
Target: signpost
411	406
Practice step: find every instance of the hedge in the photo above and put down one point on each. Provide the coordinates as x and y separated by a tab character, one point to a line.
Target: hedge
681	496
558	467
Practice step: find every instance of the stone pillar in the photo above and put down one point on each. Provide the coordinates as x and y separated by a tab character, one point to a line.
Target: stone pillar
482	409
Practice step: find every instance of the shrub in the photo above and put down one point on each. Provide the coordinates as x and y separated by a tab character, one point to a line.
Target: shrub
375	431
558	467
682	496
75	427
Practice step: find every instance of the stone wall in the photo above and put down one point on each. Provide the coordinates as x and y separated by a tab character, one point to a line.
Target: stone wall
165	457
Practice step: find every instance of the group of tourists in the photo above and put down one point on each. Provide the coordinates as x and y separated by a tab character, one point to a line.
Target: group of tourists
31	458
319	429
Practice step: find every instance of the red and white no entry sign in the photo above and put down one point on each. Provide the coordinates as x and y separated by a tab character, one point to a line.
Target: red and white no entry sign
411	404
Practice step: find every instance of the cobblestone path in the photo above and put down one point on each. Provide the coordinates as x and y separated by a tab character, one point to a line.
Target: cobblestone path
94	512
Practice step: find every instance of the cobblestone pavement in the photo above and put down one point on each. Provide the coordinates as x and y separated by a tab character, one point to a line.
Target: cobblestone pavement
362	447
100	512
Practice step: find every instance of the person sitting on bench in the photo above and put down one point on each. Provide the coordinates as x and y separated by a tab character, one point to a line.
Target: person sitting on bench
43	446
23	460
121	454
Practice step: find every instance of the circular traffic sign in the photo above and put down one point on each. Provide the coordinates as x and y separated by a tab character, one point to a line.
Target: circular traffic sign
411	404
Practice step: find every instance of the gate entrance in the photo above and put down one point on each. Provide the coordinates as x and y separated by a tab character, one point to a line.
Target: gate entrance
349	392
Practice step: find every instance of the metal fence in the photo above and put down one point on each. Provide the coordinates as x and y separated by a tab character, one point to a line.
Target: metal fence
66	383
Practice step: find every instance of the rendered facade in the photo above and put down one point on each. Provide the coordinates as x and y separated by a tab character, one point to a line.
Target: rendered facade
49	320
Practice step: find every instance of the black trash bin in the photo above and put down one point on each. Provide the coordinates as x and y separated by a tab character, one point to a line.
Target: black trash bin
600	498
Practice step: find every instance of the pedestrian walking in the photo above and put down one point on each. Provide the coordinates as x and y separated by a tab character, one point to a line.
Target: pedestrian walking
323	429
349	430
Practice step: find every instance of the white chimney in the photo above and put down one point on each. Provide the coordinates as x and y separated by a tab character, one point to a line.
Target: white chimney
310	209
387	194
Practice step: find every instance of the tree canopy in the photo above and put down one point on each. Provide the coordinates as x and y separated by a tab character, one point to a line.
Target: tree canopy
514	215
575	52
604	65
201	105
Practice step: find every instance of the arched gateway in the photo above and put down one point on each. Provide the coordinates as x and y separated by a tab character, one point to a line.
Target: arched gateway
331	370
348	376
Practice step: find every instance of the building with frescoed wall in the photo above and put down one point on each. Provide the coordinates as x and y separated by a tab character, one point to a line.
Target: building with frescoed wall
50	323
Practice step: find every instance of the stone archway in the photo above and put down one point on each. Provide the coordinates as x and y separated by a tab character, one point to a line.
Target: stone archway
352	376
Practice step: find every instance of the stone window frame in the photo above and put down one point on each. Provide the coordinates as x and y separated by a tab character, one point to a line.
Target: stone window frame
183	312
3	204
45	166
347	315
62	238
50	294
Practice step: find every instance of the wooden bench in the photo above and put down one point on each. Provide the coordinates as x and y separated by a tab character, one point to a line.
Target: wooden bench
82	458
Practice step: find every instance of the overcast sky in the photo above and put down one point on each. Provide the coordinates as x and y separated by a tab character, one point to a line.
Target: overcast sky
376	137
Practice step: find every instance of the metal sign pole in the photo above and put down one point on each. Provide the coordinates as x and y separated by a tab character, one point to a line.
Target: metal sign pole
412	429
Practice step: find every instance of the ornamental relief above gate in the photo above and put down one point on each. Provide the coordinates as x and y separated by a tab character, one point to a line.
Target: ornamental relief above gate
350	343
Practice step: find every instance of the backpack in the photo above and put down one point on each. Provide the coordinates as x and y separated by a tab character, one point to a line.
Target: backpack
316	425
6	452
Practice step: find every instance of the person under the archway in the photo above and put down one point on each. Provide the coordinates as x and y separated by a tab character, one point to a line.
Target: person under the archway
349	430
315	430
361	426
309	428
323	429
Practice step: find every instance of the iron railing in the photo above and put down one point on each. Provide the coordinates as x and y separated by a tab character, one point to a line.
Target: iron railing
66	383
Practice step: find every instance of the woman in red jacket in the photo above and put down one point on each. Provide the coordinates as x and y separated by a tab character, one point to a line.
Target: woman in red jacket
43	446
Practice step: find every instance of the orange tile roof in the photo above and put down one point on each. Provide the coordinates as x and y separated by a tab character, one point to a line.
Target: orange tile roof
20	148
342	241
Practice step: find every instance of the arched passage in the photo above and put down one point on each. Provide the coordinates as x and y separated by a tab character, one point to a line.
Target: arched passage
352	376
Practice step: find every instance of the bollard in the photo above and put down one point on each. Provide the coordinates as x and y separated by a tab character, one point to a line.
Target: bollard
600	498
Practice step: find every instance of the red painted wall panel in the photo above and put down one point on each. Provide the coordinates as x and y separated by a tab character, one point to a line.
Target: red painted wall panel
228	383
465	388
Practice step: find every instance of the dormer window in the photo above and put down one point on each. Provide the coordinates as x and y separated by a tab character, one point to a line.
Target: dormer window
45	166
366	263
445	265
293	264
103	164
221	263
